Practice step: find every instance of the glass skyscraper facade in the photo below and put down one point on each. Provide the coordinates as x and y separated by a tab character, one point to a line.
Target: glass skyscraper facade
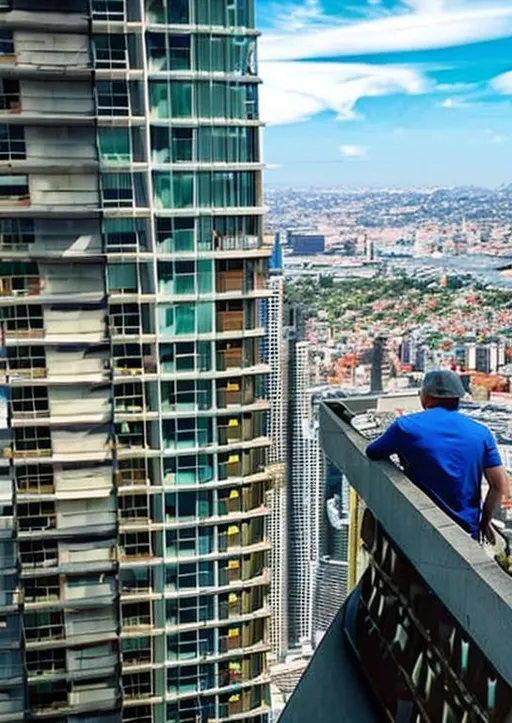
134	584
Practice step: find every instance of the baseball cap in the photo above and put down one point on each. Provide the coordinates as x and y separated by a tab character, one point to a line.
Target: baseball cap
443	384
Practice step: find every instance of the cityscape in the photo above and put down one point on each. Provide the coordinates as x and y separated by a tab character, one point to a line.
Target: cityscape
198	340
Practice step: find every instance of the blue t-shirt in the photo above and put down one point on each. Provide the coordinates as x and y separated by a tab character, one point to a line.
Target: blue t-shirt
444	453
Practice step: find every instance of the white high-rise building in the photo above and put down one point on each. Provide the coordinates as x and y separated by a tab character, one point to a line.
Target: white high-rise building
306	495
277	349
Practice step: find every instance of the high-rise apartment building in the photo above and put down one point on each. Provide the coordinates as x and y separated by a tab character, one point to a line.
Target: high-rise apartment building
305	494
134	560
277	351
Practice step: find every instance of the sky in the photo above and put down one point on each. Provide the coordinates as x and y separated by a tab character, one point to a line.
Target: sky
386	93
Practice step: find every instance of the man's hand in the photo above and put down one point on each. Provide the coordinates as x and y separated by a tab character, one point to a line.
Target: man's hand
487	534
497	478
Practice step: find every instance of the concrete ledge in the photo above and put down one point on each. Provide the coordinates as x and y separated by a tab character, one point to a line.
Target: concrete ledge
473	588
332	689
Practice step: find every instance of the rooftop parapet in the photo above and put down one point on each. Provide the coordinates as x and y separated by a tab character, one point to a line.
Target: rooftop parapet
427	627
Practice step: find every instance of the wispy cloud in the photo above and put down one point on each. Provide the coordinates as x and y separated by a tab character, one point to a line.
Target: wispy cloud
451	103
502	83
494	137
418	30
349	151
426	6
297	91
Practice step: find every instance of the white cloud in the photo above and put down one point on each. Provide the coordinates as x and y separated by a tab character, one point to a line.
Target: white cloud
418	30
353	151
494	137
503	83
296	91
450	103
292	16
426	6
455	87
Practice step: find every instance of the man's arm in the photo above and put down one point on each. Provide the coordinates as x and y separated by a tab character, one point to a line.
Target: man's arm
499	488
385	445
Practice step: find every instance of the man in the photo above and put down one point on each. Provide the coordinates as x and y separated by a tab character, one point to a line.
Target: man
445	453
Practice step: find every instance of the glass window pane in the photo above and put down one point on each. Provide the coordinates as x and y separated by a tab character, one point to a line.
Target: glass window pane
114	144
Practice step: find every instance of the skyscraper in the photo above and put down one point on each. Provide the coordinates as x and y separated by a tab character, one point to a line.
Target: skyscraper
277	350
135	564
306	495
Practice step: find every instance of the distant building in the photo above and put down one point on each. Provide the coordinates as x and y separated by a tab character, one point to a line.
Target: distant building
306	243
381	370
276	355
470	356
489	357
305	496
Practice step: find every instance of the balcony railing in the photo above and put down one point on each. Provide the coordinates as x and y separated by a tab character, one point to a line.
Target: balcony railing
428	620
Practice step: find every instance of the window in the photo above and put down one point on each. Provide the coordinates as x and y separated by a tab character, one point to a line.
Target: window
38	553
6	42
117	190
226	189
44	625
184	319
114	144
227	100
192	609
110	51
125	234
227	145
16	234
175	234
113	10
185	277
124	190
41	662
125	319
187	433
18	278
168	52
186	576
26	361
170	99
226	54
14	188
9	95
137	685
122	278
32	439
23	318
184	357
186	396
234	13
129	398
29	402
172	12
133	545
172	145
36	516
188	470
34	479
188	506
174	190
113	97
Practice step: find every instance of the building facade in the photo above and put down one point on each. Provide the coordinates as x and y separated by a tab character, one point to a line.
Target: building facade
305	494
135	563
277	351
306	243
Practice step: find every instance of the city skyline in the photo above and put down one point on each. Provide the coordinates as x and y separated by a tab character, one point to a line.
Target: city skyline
386	93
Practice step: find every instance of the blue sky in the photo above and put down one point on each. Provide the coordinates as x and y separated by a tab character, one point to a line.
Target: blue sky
387	92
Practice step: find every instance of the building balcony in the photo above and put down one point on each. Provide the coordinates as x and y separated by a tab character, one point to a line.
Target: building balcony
423	636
